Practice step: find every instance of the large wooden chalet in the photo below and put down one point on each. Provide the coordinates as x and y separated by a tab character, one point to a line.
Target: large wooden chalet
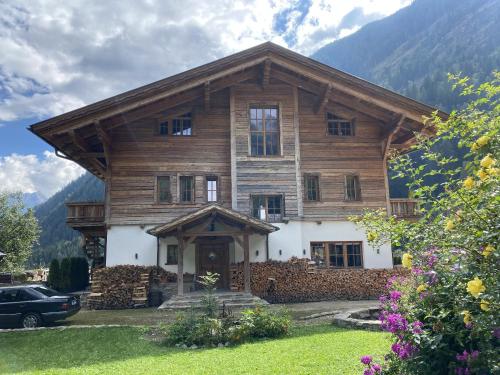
259	155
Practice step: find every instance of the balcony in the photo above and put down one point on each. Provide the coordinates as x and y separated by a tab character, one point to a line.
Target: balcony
86	216
405	208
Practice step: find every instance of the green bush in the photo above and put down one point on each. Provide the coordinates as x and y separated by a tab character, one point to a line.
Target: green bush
261	322
65	281
54	277
206	329
79	273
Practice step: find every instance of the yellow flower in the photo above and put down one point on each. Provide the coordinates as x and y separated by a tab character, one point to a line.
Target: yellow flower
492	171
469	183
372	236
483	175
450	225
485	305
487	161
475	287
482	141
406	261
421	288
488	250
467	316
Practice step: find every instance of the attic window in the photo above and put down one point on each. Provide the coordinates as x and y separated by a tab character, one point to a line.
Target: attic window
339	126
182	125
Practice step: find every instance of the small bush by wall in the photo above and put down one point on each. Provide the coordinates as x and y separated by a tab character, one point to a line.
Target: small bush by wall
293	281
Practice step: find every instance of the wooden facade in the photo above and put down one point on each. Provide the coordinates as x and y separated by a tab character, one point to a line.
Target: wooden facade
198	126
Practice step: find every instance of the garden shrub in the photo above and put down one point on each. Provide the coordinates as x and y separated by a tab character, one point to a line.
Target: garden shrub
261	322
444	316
208	329
54	277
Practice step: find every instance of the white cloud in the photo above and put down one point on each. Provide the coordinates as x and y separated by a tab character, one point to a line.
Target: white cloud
30	174
59	55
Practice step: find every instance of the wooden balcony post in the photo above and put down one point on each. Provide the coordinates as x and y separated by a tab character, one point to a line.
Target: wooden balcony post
180	264
246	262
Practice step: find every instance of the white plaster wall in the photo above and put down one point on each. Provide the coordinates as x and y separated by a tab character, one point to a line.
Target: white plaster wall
124	241
294	239
189	256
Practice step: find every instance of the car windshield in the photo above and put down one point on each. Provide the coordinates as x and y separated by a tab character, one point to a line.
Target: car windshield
47	291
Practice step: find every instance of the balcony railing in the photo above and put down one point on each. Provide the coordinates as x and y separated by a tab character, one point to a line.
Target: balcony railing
405	207
85	213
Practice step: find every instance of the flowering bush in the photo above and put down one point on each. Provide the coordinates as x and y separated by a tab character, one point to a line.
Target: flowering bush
444	316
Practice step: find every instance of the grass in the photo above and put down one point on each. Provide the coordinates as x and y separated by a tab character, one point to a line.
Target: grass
319	349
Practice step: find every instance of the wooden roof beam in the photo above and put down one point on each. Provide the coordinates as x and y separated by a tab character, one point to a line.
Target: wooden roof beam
106	143
206	99
266	73
323	100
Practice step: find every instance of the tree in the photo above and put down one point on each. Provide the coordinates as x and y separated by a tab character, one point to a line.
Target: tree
65	284
444	314
19	231
54	277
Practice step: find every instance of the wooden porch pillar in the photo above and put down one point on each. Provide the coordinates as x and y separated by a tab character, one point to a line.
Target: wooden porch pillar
246	262
180	264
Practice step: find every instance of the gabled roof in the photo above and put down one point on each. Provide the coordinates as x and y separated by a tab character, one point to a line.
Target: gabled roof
85	129
256	225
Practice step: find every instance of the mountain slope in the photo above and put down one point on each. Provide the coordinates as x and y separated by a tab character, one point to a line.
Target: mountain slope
412	51
56	238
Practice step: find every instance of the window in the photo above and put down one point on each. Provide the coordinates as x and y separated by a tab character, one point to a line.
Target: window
186	188
337	254
339	126
212	182
8	295
182	125
318	253
352	188
269	208
311	187
163	194
171	254
264	131
163	128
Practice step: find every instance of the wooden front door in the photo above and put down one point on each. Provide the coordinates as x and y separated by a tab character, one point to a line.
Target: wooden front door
213	256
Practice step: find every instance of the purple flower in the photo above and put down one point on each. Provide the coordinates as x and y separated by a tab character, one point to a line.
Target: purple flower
463	357
368	371
432	277
376	367
417	271
496	333
468	326
431	261
394	323
403	349
366	359
474	354
417	327
462	371
395	295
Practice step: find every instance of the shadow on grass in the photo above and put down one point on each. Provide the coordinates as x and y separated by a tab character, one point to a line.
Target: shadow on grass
74	348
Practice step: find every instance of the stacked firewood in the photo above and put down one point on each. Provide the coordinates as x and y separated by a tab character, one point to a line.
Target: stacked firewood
121	287
298	281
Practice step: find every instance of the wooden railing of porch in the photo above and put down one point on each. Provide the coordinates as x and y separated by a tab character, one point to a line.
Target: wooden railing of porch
405	208
85	213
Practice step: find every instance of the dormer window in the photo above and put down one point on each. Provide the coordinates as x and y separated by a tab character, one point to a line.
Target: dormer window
339	126
182	125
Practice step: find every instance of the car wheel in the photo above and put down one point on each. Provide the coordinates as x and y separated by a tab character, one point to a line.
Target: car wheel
31	320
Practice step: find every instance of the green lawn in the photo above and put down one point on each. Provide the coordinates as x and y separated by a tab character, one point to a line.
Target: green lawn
319	349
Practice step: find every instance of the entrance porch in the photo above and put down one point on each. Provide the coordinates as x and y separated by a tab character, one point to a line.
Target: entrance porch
219	236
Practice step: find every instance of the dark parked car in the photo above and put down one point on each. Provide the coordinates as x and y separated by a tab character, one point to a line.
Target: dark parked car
33	305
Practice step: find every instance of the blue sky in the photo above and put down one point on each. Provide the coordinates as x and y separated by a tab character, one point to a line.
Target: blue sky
60	55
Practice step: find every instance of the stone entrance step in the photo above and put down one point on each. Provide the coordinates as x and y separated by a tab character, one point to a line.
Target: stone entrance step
231	300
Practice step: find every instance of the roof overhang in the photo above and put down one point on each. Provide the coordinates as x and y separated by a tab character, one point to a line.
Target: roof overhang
83	134
234	218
